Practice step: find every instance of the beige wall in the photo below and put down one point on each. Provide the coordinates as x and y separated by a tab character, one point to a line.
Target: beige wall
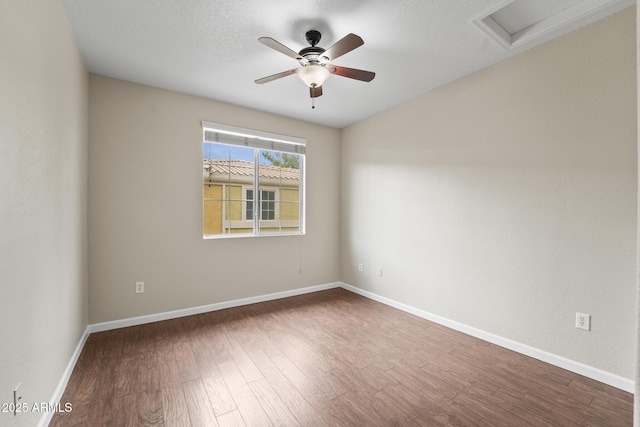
506	201
145	207
43	163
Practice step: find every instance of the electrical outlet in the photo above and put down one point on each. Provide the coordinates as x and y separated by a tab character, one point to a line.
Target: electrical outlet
360	267
139	287
583	321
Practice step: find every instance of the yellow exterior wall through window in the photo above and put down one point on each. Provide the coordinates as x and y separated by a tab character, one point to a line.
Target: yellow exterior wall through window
235	203
212	209
290	204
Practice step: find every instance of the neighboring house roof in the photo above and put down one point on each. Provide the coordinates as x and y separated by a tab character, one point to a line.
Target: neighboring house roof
245	168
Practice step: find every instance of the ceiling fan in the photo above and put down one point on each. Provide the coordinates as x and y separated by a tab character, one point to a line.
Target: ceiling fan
314	67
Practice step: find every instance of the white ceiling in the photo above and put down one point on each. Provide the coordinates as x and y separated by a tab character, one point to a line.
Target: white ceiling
210	48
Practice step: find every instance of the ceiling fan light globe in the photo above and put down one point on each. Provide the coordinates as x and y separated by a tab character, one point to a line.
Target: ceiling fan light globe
314	75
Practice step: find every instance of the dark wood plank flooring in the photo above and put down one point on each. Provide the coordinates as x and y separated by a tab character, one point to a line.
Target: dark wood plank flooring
328	358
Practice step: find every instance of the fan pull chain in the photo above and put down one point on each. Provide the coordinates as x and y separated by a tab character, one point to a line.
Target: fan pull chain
313	103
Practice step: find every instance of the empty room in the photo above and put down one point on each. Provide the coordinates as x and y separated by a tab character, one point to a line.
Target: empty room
410	213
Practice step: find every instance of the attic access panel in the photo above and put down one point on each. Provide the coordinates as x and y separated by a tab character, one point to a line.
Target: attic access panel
517	22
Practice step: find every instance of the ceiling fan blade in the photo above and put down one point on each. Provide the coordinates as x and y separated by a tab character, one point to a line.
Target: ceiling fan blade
315	92
352	73
273	44
342	46
276	76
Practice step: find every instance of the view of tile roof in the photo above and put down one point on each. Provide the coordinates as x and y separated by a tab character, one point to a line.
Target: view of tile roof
243	167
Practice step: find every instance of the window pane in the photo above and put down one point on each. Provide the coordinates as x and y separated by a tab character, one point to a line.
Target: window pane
280	182
228	173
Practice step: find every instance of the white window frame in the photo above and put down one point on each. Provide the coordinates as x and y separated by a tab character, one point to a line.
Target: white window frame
259	140
257	209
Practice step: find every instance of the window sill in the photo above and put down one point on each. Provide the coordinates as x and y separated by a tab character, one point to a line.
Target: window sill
247	235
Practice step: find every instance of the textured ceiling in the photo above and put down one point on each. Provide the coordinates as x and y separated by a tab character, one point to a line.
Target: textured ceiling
210	48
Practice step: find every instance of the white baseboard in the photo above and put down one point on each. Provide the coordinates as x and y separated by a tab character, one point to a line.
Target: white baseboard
553	359
62	384
140	320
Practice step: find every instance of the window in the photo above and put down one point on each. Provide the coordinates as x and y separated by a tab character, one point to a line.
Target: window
253	182
267	205
249	208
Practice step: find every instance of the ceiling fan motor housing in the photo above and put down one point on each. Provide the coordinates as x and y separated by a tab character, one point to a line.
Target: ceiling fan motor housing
312	54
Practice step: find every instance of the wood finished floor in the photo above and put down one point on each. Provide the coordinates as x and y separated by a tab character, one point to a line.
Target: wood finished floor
327	358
